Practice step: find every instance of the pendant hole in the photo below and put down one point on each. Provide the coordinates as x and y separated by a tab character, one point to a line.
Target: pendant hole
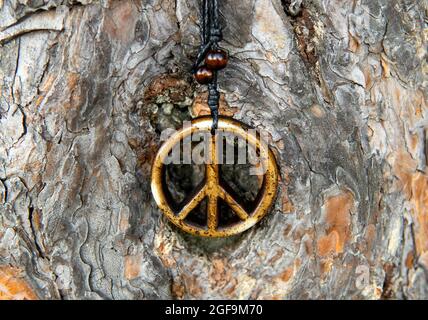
237	176
198	216
227	216
181	180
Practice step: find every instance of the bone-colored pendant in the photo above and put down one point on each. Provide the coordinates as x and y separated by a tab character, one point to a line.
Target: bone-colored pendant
212	189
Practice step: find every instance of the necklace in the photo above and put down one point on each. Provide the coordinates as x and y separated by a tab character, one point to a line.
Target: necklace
210	60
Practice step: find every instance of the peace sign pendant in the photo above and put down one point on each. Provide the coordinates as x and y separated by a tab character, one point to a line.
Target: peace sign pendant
212	189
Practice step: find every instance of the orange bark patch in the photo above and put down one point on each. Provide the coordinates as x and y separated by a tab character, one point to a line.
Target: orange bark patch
308	246
367	70
420	201
220	274
132	266
328	244
72	80
354	44
404	167
370	237
120	21
287	230
231	287
39	100
44	88
386	70
317	111
279	253
410	260
338	219
36	219
47	84
13	285
287	274
287	206
75	97
163	249
414	185
192	286
414	140
178	290
326	266
419	103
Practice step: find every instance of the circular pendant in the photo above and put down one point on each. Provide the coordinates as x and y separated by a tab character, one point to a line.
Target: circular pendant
212	188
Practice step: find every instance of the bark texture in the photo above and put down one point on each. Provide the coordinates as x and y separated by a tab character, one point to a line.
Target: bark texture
87	86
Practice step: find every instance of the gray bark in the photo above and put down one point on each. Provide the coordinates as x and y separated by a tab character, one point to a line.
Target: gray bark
86	86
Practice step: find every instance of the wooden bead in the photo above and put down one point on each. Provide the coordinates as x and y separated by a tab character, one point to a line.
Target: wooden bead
204	75
216	59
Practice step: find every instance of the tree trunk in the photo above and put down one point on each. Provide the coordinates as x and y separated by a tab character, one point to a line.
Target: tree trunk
87	86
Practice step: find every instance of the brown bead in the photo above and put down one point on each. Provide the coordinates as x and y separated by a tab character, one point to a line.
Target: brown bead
204	75
216	59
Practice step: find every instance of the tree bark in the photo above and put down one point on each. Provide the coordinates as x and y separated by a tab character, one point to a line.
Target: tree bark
87	86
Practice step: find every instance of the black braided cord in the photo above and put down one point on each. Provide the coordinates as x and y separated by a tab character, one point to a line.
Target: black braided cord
211	35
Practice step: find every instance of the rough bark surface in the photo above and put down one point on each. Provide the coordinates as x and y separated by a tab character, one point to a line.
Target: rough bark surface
87	86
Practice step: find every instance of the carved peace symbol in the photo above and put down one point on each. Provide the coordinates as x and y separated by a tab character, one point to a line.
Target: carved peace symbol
212	188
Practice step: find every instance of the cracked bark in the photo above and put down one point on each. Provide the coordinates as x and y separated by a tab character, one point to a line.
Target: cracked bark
87	86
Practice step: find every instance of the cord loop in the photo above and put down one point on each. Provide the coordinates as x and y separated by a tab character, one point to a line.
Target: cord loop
211	35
